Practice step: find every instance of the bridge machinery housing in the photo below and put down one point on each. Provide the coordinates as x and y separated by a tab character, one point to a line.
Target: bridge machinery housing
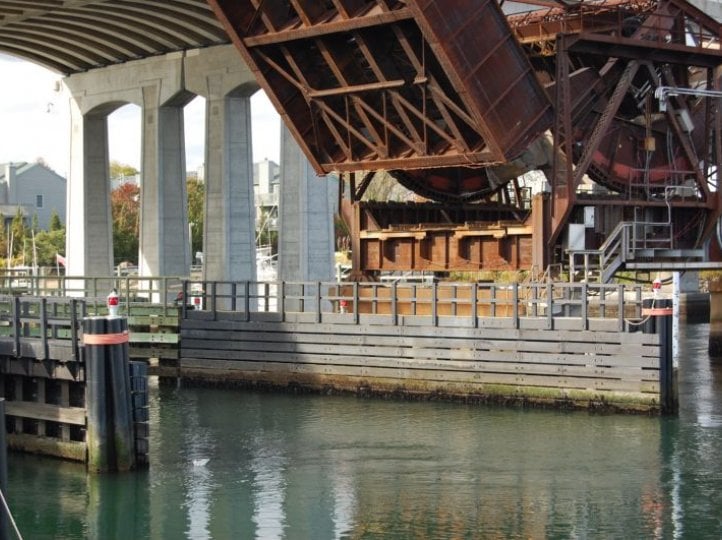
458	99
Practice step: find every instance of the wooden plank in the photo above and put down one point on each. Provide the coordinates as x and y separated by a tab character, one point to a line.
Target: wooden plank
65	402
39	368
62	448
417	376
154	352
19	395
153	337
32	348
191	337
170	321
343	349
41	399
591	371
46	411
513	334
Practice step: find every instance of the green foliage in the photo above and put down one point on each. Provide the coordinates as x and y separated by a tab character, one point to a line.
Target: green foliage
490	276
125	207
3	238
120	170
196	197
55	223
47	244
125	204
19	232
30	244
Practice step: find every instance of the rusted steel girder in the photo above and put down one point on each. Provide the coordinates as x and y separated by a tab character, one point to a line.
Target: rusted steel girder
539	28
390	84
435	238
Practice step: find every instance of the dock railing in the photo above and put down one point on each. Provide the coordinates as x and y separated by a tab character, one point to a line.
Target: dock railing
442	303
136	293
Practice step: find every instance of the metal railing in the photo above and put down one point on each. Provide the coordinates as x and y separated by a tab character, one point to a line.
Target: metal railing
42	320
136	293
350	302
622	245
658	28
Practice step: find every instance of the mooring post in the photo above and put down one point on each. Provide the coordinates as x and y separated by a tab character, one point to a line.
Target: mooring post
119	383
715	318
97	436
109	434
660	322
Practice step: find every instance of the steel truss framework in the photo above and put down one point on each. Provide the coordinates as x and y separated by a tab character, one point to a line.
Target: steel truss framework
453	97
385	84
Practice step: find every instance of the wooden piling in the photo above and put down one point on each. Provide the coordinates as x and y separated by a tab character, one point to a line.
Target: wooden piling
119	385
97	435
110	435
660	314
715	319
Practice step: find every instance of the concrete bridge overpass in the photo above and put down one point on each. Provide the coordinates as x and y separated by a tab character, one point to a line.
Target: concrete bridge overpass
159	55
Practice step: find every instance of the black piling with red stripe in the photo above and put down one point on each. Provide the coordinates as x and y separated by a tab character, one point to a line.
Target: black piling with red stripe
659	313
110	436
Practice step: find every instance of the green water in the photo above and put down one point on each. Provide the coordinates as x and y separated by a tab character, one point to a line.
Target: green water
319	467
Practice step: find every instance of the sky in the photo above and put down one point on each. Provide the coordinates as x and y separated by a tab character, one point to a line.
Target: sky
35	122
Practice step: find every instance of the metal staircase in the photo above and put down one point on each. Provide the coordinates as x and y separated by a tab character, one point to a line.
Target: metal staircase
633	245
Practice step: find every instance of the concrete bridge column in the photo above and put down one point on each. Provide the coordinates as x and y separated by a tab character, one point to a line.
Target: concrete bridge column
164	249
306	217
229	238
89	239
155	85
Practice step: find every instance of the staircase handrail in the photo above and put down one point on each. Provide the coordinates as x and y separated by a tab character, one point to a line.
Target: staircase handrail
616	244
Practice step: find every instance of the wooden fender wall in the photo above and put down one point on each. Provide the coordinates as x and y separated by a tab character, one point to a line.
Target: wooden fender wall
501	359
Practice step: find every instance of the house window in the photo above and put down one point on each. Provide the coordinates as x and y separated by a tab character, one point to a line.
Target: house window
38	201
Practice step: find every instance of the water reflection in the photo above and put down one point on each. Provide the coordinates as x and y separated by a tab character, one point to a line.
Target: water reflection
231	464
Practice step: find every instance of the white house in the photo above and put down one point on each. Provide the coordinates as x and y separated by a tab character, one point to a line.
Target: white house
35	188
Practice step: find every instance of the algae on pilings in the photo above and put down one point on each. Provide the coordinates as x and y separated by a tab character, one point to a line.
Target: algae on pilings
97	435
490	276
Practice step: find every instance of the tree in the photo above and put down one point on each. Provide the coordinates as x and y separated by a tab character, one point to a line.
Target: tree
18	232
121	170
385	187
47	245
196	198
125	207
3	239
125	203
55	223
265	236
